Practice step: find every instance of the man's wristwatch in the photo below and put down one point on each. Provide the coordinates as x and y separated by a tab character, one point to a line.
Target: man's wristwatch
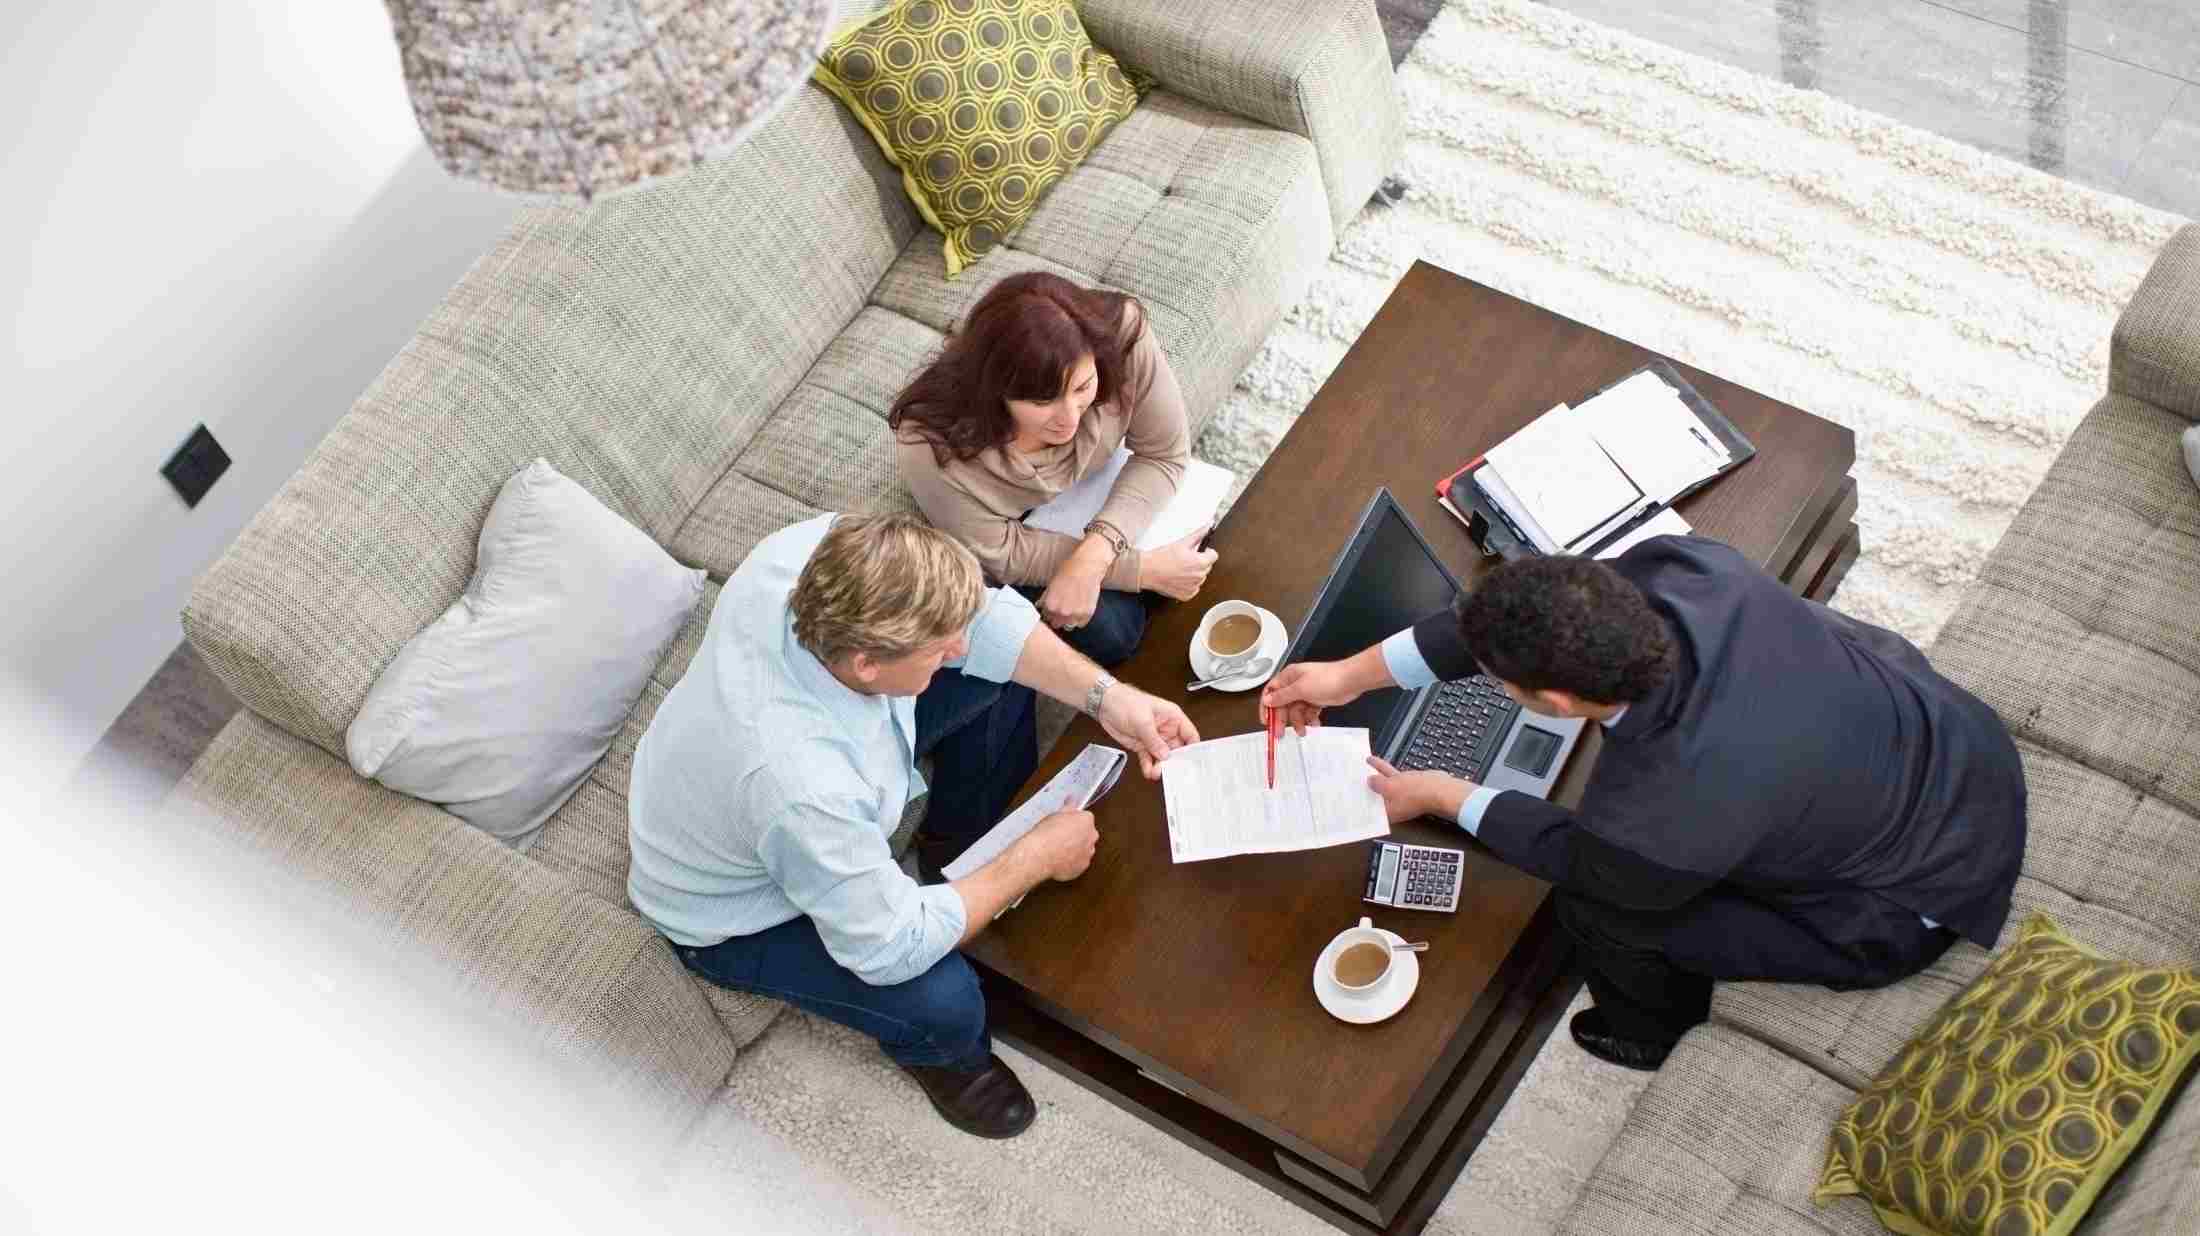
1099	689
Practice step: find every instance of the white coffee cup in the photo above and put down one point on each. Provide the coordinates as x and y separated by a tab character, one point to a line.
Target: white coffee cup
1219	664
1365	933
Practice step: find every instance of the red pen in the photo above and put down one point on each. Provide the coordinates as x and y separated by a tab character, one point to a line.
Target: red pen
1275	727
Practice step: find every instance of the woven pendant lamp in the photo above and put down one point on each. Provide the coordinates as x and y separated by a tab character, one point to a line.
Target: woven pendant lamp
578	98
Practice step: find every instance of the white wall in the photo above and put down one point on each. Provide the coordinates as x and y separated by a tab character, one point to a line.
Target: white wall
216	211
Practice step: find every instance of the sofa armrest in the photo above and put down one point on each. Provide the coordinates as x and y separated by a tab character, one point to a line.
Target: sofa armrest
2155	352
589	983
1317	68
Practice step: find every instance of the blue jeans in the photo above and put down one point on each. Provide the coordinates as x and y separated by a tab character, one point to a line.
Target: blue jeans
1112	633
982	739
936	1018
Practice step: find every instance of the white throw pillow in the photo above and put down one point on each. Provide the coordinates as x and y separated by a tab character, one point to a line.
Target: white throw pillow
499	709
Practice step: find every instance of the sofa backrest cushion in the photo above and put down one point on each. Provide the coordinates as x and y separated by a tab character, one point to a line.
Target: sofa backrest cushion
637	344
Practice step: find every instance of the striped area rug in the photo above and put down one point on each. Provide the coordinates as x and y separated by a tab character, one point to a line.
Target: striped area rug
1952	308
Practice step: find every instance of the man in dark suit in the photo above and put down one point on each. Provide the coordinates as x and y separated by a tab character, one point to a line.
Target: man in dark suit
1784	793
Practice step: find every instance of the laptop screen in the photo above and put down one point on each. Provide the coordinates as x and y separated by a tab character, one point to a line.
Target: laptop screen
1387	580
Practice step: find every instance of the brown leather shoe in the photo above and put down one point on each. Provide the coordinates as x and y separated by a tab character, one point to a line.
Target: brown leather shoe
984	1102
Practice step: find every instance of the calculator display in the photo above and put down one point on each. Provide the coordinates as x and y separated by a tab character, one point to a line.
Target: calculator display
1386	877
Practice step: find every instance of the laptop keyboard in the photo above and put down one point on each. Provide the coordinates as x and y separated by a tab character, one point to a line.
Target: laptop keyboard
1460	731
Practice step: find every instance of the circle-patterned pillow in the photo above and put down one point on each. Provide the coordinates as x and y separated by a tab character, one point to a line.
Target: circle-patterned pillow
2010	1109
982	104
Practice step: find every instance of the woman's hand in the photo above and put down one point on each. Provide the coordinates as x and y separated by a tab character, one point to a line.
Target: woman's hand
1177	569
1074	592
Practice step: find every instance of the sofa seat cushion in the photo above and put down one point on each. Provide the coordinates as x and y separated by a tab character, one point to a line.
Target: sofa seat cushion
2081	632
826	448
591	983
1727	1140
1851	1035
585	842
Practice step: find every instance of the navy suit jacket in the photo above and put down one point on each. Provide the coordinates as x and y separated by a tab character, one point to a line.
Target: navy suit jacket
1794	756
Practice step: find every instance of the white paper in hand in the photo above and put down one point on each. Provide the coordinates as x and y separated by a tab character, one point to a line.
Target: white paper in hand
1198	494
1079	785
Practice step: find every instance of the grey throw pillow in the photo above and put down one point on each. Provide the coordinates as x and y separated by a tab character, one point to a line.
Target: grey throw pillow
2192	452
498	709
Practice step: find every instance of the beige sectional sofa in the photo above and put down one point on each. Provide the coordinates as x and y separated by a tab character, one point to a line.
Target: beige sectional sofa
2083	632
712	357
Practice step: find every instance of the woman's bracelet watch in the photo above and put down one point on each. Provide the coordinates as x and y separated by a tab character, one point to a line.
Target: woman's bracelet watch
1107	532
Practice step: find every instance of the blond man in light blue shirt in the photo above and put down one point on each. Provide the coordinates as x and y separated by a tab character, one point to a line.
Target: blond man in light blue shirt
842	651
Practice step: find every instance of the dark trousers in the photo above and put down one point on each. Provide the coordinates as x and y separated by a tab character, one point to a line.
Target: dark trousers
983	745
1651	971
1118	622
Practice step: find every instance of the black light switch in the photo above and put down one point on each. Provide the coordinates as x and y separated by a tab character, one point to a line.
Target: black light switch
196	465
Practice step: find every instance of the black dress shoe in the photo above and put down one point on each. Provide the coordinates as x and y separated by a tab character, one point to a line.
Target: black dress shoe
983	1102
1596	1038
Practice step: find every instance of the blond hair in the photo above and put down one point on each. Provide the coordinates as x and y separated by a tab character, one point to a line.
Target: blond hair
884	585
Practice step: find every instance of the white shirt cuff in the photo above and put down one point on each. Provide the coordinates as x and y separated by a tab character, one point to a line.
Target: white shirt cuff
1470	811
1402	657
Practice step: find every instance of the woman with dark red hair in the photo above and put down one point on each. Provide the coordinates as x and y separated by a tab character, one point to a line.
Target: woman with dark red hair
1037	390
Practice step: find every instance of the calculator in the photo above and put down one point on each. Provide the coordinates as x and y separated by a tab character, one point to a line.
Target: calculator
1413	877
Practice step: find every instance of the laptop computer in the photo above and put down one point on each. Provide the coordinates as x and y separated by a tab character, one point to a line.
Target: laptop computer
1386	579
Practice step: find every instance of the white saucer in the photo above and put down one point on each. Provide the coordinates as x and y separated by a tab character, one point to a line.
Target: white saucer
1398	987
1273	641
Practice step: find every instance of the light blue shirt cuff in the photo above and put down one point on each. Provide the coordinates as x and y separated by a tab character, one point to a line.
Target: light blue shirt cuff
997	635
1402	656
1470	811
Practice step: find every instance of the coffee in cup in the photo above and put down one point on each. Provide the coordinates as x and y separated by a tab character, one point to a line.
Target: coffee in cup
1234	634
1362	959
1230	634
1361	964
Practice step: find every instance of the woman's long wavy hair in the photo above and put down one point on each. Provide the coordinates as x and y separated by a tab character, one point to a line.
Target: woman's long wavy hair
1019	342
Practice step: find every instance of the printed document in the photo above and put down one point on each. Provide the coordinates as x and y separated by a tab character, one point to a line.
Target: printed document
1198	494
1219	803
1562	478
1079	785
1653	436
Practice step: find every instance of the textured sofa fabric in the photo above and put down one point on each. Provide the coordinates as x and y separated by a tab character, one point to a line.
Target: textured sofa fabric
2083	633
712	357
536	948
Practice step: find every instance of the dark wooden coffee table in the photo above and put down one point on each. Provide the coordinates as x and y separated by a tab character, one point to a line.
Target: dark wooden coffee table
1184	993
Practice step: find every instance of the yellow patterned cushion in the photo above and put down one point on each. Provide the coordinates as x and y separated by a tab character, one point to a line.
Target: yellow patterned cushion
982	104
2006	1114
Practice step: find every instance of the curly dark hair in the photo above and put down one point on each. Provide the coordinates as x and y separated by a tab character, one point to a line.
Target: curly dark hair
1019	342
1567	624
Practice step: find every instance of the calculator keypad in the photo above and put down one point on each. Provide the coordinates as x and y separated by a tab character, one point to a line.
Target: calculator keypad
1428	879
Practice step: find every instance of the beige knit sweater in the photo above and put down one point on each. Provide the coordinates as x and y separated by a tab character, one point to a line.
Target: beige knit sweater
982	501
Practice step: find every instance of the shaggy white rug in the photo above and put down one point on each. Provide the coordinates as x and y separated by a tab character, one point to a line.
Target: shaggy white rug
1952	308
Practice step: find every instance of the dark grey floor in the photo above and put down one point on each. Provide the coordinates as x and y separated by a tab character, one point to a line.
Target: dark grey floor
2104	92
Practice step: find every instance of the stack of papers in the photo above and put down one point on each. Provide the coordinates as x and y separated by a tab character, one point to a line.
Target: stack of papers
1197	497
1576	476
1562	480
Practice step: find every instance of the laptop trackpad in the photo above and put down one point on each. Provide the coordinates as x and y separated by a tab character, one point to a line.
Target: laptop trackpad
1532	750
